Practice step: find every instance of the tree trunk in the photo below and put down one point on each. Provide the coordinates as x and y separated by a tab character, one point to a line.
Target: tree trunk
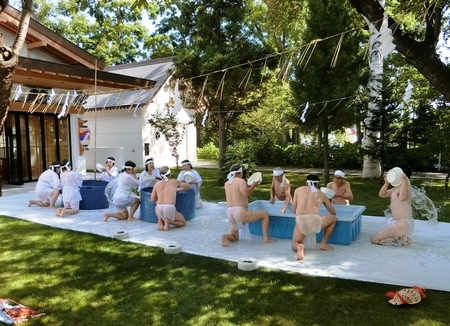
326	154
371	166
422	55
9	57
222	134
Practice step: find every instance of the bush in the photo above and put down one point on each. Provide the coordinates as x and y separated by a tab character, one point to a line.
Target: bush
306	156
208	152
243	153
347	156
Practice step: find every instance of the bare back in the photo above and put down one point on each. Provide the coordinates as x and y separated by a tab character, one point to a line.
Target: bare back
307	202
165	192
236	193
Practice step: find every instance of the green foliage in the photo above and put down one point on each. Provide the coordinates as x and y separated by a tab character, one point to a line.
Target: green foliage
303	156
242	153
168	125
208	152
107	29
347	156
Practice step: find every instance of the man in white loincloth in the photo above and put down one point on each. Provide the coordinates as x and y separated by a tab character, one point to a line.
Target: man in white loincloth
280	189
342	189
237	192
306	203
399	226
165	195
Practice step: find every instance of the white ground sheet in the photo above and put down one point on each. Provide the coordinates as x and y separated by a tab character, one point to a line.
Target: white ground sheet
425	263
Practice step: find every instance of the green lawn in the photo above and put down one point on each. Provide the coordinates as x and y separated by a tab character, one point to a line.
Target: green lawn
85	279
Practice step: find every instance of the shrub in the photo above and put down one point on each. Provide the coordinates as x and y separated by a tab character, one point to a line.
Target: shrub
241	153
208	152
347	156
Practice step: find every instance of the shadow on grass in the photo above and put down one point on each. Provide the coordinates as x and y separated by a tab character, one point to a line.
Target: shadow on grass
84	279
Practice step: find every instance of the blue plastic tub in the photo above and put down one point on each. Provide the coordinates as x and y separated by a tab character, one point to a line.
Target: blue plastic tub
347	228
93	195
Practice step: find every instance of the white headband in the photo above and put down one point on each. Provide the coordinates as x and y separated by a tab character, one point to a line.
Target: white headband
109	160
277	173
231	175
186	163
127	167
52	167
164	176
66	166
148	162
311	183
339	173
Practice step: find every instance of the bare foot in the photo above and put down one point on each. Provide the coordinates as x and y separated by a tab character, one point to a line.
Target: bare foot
406	240
132	218
269	240
300	252
58	210
62	212
160	224
325	247
224	240
166	225
105	217
30	202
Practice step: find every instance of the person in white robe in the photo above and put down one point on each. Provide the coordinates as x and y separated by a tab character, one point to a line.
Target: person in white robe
195	183
72	182
123	196
48	187
149	176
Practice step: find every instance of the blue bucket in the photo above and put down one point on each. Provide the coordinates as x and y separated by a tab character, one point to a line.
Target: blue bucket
93	195
147	208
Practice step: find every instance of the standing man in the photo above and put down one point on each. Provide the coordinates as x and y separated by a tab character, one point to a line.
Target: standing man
165	195
306	203
237	193
341	188
280	189
48	187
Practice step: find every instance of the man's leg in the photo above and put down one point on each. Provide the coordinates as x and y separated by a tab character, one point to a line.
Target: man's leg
297	243
133	209
251	216
53	197
328	224
122	215
179	220
232	236
37	202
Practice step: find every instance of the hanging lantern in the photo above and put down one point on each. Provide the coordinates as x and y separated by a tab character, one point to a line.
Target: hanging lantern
85	136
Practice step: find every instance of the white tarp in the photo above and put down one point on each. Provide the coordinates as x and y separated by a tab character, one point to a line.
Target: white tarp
425	263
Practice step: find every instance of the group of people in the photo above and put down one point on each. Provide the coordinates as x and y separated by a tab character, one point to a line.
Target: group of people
306	200
306	203
59	177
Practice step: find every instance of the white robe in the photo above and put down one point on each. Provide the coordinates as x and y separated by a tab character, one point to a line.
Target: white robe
47	182
106	177
72	181
125	184
148	183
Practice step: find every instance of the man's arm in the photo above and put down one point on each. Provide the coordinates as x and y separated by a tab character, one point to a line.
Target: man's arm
327	204
404	188
384	192
245	189
272	192
183	185
294	201
348	195
153	196
287	193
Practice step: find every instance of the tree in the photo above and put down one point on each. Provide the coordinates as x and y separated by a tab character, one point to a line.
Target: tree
323	78
417	38
9	57
210	37
108	29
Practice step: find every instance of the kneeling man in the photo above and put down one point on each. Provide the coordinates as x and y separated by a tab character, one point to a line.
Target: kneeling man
306	204
165	195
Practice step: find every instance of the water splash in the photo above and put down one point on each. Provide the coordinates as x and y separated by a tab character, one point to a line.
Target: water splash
423	207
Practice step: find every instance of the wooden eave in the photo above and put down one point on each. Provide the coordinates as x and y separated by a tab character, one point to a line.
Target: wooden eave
40	73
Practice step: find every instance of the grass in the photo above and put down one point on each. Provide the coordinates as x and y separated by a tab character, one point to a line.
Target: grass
85	279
